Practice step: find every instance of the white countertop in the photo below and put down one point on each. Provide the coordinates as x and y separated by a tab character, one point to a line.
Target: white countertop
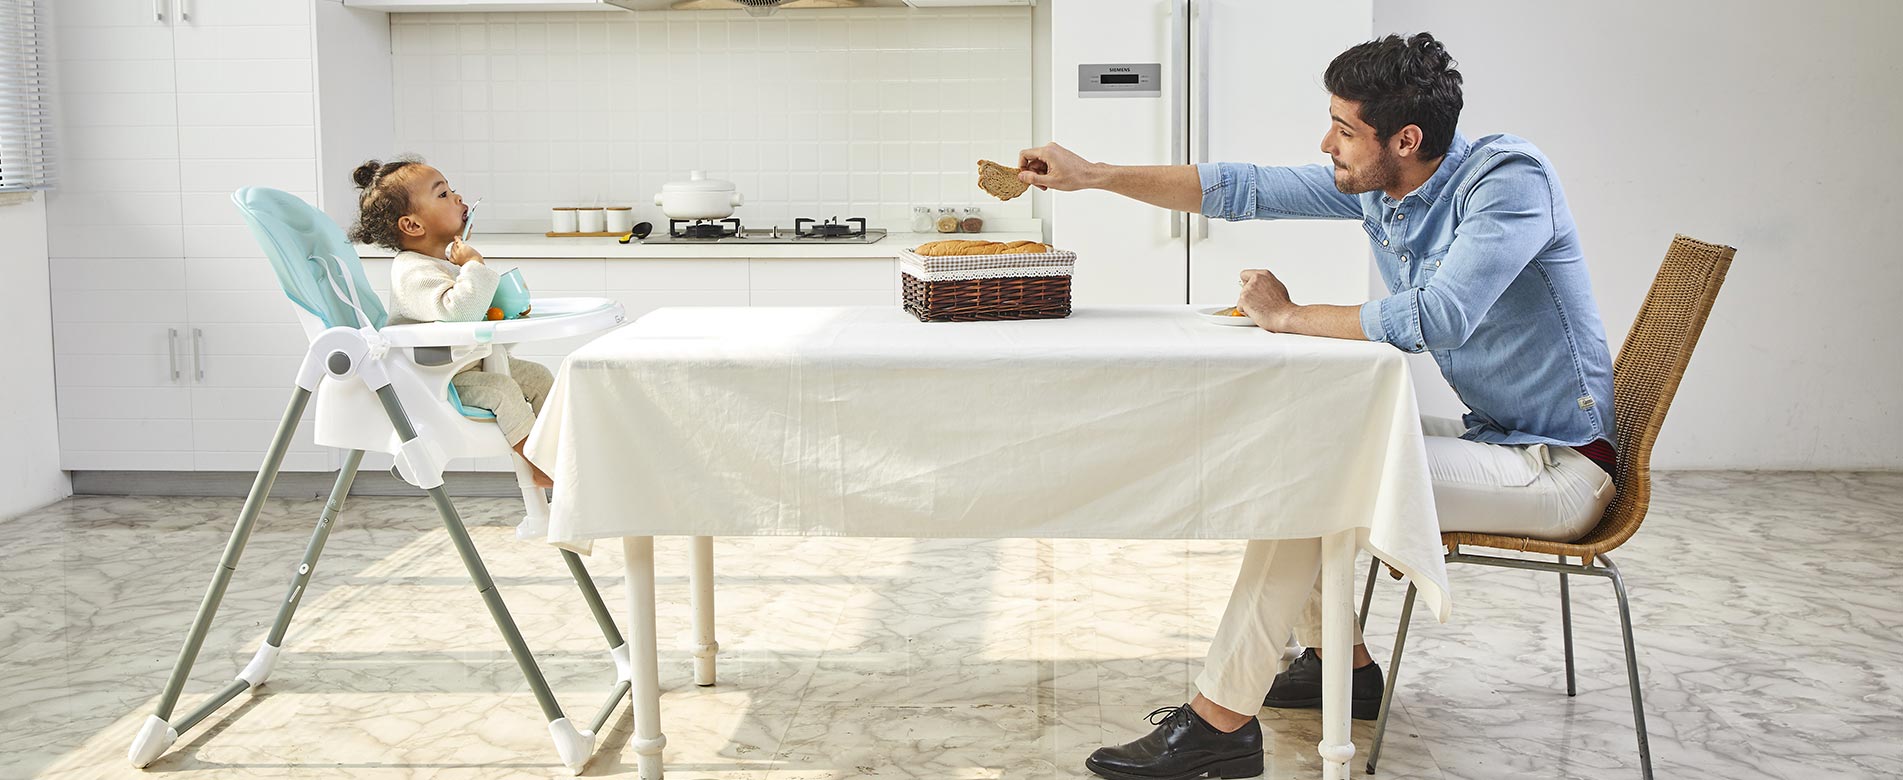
530	245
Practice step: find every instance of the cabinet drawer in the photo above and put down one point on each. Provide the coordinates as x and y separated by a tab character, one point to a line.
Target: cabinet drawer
840	274
824	298
676	275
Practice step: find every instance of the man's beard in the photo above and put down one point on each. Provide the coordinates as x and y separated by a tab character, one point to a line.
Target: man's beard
1378	175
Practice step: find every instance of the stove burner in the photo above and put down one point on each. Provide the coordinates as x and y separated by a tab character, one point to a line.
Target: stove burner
830	228
725	228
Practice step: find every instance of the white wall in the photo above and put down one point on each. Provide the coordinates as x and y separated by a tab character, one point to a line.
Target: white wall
1768	126
29	427
847	112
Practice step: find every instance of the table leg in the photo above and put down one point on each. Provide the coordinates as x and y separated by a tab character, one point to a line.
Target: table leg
1337	747
648	740
701	580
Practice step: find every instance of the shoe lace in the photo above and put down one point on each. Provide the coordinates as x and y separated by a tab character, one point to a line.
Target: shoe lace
1161	715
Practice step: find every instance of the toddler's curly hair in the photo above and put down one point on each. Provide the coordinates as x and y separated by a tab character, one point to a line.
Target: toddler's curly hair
383	198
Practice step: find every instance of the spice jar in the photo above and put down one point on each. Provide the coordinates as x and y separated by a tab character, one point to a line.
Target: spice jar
947	221
972	223
922	221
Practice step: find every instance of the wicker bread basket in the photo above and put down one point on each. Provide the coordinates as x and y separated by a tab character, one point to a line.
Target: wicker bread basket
977	288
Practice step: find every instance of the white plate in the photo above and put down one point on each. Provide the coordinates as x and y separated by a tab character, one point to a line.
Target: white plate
1208	313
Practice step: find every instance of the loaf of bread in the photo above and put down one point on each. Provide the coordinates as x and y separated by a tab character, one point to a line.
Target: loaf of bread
1000	180
1028	248
957	248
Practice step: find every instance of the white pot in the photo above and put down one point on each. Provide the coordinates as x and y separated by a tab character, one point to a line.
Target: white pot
697	198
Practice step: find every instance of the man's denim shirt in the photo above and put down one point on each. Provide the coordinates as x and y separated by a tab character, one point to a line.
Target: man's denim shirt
1484	270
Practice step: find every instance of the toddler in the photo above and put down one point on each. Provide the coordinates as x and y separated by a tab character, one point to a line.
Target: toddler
407	206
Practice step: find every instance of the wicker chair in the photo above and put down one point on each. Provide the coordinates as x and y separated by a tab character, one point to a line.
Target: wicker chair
1644	378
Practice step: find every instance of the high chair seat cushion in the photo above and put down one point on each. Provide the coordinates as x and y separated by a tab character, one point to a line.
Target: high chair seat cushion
471	412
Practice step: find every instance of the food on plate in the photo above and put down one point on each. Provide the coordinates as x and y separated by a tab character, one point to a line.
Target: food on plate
1001	181
1231	312
495	313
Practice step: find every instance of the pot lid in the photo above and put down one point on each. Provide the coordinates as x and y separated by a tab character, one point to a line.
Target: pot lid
698	182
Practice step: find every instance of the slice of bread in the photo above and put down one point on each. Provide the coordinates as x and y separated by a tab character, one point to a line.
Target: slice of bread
1001	181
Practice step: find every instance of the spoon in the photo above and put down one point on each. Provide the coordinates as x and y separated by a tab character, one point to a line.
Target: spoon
469	221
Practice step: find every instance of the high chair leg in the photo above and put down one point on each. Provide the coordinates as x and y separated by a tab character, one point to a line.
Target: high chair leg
574	745
617	646
156	735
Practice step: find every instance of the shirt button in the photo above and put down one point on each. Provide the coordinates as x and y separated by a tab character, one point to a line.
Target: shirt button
1399	215
1384	242
1403	258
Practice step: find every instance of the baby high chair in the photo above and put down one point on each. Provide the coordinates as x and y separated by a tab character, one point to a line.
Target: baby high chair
386	389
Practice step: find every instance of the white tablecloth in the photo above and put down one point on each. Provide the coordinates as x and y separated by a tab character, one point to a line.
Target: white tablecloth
1118	422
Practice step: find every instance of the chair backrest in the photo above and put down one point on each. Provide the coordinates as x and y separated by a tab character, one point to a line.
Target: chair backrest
1646	374
309	252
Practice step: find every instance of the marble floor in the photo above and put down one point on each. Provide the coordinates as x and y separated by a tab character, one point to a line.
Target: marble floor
1768	612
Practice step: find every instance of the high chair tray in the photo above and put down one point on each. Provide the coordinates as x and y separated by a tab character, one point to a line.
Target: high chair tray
549	319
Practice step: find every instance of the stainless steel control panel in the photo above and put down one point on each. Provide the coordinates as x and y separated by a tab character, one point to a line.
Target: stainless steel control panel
1141	79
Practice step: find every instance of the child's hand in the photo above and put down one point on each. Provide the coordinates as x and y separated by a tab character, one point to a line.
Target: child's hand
461	253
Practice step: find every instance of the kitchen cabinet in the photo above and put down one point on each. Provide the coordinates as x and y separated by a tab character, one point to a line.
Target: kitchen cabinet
173	348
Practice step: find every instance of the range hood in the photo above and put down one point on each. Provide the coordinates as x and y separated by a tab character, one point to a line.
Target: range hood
767	7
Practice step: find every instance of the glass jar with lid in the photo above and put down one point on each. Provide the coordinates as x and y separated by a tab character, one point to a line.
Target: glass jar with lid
947	221
973	222
922	221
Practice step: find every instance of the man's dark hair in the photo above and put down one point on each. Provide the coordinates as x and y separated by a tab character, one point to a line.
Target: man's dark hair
1400	83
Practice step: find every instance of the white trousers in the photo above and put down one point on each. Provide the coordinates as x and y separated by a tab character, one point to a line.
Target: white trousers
1546	492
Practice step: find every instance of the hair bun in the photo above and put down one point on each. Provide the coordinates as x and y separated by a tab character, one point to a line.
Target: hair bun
366	174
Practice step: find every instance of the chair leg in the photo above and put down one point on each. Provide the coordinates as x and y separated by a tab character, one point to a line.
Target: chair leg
1394	673
574	745
1367	592
1632	669
156	736
1566	628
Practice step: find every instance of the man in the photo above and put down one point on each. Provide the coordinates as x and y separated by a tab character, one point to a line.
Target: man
1485	271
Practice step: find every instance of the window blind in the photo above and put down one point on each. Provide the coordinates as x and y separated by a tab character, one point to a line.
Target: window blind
26	94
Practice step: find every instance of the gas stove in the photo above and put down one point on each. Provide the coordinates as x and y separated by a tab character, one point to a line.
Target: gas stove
804	231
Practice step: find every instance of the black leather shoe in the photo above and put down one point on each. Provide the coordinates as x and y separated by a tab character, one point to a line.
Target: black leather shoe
1183	746
1301	687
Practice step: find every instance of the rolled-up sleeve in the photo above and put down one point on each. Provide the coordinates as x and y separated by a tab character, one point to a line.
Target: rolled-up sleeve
1239	191
1508	220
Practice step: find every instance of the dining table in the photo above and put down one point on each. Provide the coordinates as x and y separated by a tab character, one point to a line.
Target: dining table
1116	422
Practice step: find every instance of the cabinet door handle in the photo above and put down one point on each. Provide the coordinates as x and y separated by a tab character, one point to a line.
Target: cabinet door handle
158	10
185	10
1200	74
1179	99
198	353
171	349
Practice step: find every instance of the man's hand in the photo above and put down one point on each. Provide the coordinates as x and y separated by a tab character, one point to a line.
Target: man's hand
1265	299
1052	167
461	253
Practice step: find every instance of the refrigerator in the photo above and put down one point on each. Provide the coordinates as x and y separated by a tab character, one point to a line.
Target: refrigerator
1155	82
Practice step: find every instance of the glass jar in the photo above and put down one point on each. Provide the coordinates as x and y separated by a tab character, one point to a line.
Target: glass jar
922	221
972	223
947	221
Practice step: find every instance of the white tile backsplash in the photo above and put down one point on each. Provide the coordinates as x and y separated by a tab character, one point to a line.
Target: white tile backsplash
864	112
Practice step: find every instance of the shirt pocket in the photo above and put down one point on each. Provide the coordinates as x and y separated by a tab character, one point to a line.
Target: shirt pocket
1377	237
1425	268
